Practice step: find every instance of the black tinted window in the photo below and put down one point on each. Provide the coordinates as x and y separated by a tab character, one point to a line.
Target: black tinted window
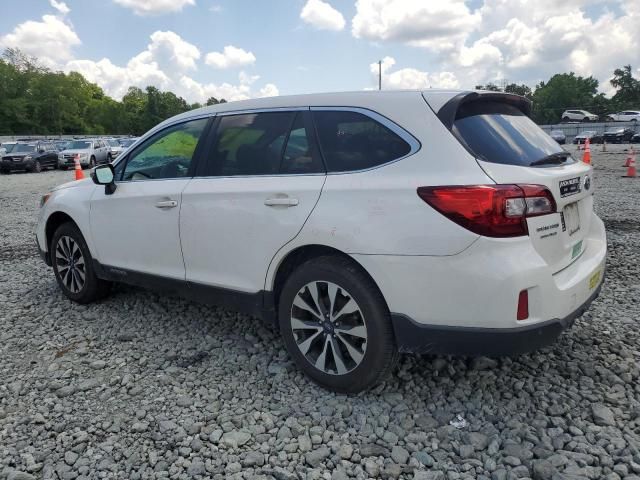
297	157
353	141
500	133
167	154
262	144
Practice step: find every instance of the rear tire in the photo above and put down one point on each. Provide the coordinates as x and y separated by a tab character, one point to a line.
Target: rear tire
73	266
345	343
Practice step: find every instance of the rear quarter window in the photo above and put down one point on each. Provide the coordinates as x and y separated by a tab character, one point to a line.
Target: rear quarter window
352	141
500	133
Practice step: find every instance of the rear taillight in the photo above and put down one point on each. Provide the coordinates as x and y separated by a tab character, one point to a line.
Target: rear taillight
490	210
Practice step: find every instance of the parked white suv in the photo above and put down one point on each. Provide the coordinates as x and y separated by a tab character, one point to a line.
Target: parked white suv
362	224
626	116
579	116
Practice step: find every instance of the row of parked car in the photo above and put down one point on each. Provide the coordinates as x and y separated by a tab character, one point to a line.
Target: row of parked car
611	135
36	155
584	116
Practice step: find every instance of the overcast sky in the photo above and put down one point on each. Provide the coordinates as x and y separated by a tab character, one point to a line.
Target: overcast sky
245	48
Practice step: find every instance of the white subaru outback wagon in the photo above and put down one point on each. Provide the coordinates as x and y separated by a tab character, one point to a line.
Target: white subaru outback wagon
363	225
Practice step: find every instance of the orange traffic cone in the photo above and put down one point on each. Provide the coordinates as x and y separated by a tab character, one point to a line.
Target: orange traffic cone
79	173
631	170
631	157
586	158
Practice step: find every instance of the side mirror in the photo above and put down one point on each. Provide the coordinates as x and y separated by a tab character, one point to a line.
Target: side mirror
104	175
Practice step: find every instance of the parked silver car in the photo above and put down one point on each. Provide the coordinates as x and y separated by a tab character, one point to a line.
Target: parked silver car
115	148
558	136
90	152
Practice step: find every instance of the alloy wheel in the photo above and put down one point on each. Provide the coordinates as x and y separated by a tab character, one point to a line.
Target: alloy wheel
328	327
70	264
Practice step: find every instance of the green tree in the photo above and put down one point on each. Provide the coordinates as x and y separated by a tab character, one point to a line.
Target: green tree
627	89
522	90
492	87
562	91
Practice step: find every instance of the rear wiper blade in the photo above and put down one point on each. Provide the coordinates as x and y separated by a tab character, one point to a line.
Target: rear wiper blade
554	158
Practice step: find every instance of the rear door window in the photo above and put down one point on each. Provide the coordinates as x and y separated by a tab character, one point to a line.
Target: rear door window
268	143
353	141
500	133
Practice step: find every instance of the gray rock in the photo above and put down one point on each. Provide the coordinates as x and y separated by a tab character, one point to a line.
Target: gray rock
253	459
235	438
428	475
399	455
483	363
373	450
316	457
543	470
602	415
18	475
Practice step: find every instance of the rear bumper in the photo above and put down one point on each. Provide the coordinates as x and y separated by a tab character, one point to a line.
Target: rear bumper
468	301
414	337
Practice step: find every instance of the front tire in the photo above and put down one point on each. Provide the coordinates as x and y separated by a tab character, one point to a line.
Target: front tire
37	167
73	266
92	162
336	325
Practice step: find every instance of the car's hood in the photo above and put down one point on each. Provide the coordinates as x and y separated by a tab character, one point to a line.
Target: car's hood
73	184
20	154
75	151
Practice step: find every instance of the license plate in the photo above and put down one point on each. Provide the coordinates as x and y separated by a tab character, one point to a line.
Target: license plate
594	280
571	216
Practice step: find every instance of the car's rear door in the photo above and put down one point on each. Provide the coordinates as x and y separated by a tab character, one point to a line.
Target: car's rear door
512	149
262	178
136	229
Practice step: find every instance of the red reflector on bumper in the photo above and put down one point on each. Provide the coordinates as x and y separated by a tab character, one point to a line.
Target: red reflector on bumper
523	305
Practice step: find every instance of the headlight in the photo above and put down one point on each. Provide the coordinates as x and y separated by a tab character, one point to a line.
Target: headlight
27	158
83	155
44	199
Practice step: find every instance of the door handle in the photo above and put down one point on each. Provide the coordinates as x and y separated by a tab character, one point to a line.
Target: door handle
281	202
167	204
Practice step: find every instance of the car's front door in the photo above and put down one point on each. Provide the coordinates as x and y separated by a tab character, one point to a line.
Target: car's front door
264	176
136	229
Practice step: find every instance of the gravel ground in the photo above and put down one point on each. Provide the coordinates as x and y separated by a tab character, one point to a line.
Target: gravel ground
141	386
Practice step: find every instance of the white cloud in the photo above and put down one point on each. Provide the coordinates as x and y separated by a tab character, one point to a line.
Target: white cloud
60	7
411	78
164	64
322	16
230	57
434	24
155	7
170	51
51	40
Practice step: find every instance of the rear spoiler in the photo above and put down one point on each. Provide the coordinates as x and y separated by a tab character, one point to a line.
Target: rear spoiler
447	113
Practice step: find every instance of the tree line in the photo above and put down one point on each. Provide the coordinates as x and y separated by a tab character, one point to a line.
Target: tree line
565	91
37	100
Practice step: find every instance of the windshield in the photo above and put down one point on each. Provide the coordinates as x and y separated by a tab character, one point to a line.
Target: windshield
113	143
78	145
9	147
128	142
500	133
23	148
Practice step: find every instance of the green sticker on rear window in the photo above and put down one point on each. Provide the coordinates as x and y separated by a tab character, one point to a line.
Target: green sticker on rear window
576	249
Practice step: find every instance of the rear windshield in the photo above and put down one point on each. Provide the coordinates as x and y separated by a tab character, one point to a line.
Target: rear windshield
500	133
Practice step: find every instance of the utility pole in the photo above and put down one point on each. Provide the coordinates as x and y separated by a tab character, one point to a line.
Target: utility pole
379	74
